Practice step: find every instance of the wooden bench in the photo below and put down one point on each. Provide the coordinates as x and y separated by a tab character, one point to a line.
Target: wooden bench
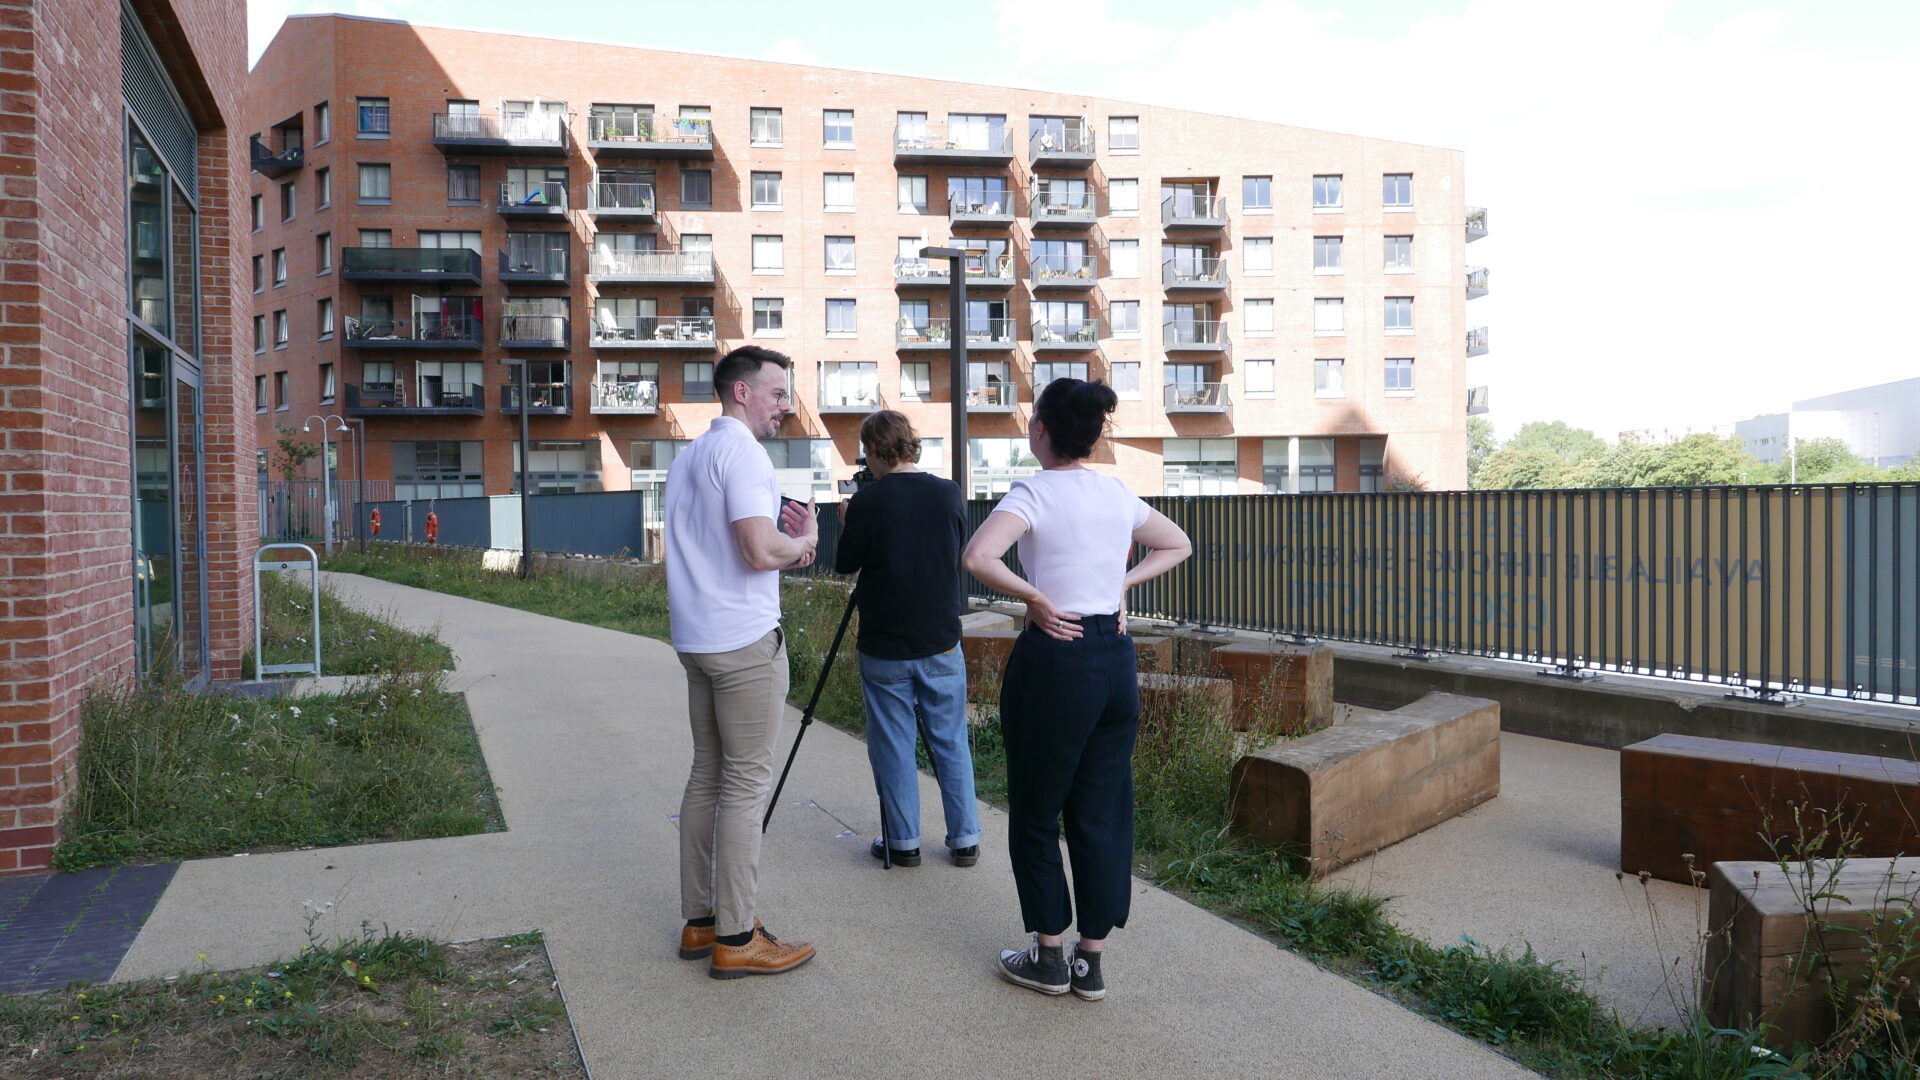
1287	689
1371	780
986	652
1162	695
1760	929
1714	799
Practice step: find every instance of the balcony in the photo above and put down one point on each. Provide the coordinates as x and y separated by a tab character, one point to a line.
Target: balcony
1055	207
1194	275
284	154
971	145
419	332
535	332
1194	336
1196	398
843	391
1478	403
640	398
390	399
621	202
1182	210
682	138
1476	282
1082	336
1476	223
529	135
1068	146
1074	272
1477	341
995	397
984	271
994	208
546	265
443	265
987	335
655	332
549	399
651	267
532	199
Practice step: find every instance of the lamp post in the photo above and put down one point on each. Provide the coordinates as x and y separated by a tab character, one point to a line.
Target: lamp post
956	353
326	468
358	429
526	534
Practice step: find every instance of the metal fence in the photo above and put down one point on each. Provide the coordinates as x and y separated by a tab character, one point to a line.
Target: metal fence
298	510
607	523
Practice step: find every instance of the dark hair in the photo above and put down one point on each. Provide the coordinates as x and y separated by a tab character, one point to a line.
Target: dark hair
744	363
1075	412
889	436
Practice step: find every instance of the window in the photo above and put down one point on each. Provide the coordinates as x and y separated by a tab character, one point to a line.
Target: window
766	191
1400	375
1316	465
838	128
766	128
1126	380
1399	314
910	130
439	470
1273	462
259	273
839	192
913	194
1123	198
696	380
260	395
323	317
1399	258
983	194
1373	464
1125	255
463	185
259	333
1257	256
327	387
914	316
376	184
322	123
769	255
259	213
280	329
376	238
1326	254
1200	466
322	188
1126	317
375	120
769	317
1259	318
1396	191
279	267
1329	378
1326	192
289	201
839	254
840	318
1260	378
323	253
1256	193
559	467
696	189
1123	134
280	390
916	380
977	131
450	238
1329	316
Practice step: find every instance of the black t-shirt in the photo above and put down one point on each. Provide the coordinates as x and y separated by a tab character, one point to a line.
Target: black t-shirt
904	533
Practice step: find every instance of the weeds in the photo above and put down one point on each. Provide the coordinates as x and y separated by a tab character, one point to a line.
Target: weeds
352	642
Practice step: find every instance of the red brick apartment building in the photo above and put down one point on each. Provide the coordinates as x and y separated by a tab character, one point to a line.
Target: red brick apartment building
1280	309
127	487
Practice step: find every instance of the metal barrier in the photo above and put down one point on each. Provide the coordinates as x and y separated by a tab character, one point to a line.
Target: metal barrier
605	523
261	565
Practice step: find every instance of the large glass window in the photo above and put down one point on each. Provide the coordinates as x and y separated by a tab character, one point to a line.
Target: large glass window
437	470
1200	466
556	467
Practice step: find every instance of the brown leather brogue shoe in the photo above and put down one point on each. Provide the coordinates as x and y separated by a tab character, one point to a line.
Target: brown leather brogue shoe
763	954
696	942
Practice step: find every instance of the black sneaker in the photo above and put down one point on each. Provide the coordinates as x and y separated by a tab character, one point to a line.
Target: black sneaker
1085	968
966	856
900	858
1036	967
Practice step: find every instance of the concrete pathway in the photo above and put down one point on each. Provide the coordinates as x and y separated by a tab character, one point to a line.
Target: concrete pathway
585	731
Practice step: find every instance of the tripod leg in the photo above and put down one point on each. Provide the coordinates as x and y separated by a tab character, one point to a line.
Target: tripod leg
806	715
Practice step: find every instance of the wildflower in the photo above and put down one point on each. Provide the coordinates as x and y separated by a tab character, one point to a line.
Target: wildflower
219	998
248	1003
331	722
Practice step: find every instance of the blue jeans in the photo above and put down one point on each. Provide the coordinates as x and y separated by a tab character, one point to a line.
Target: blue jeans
936	688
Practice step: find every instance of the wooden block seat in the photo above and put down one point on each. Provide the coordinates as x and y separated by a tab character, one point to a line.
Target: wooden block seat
1715	798
1284	688
1162	695
1372	780
986	652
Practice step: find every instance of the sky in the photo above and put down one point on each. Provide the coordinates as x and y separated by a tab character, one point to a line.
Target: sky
1684	198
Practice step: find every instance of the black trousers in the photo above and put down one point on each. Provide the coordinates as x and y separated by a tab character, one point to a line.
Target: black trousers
1069	711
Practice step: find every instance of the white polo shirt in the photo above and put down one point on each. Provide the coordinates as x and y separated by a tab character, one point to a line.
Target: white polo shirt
715	601
1079	536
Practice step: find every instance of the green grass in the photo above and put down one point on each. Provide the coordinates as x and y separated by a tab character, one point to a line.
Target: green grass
352	642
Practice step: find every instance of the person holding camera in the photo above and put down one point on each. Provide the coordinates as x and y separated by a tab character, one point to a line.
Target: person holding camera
903	534
1070	699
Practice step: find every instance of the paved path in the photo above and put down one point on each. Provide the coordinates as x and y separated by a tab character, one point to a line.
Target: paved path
585	731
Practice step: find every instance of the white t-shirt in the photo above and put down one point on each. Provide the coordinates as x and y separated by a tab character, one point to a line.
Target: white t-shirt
715	601
1079	536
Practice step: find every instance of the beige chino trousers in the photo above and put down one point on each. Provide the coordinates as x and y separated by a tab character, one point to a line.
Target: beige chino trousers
735	701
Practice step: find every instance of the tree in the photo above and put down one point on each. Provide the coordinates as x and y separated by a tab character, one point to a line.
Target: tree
1512	467
1823	460
1627	464
1480	446
292	454
1571	445
1702	459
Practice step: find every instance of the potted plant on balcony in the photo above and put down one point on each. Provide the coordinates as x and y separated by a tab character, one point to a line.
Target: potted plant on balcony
936	332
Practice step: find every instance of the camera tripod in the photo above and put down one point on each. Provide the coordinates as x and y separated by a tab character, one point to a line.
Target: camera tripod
806	721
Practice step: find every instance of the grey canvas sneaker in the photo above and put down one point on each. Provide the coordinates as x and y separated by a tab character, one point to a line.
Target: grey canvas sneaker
1036	967
1085	970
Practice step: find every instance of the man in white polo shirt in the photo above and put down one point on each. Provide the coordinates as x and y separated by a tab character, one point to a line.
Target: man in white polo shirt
725	551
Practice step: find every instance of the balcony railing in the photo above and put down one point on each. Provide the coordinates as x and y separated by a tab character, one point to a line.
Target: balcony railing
990	208
537	264
1477	401
623	200
969	145
654	332
530	133
1184	210
535	332
1476	282
1207	274
1476	223
541	198
649	136
390	399
640	398
1209	334
278	156
1084	334
1196	397
1477	341
994	397
933	334
410	264
1063	271
849	392
1054	205
983	271
1063	147
549	399
419	332
646	266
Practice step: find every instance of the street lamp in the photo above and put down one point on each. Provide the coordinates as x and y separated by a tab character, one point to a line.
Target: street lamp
326	467
956	353
526	535
359	430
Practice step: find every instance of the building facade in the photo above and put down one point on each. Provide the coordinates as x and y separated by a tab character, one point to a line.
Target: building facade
1880	424
1279	309
127	487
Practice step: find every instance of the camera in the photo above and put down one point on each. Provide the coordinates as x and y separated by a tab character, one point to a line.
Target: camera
860	479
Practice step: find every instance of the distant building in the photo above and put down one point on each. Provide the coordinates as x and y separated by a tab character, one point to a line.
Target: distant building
1880	424
1667	436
